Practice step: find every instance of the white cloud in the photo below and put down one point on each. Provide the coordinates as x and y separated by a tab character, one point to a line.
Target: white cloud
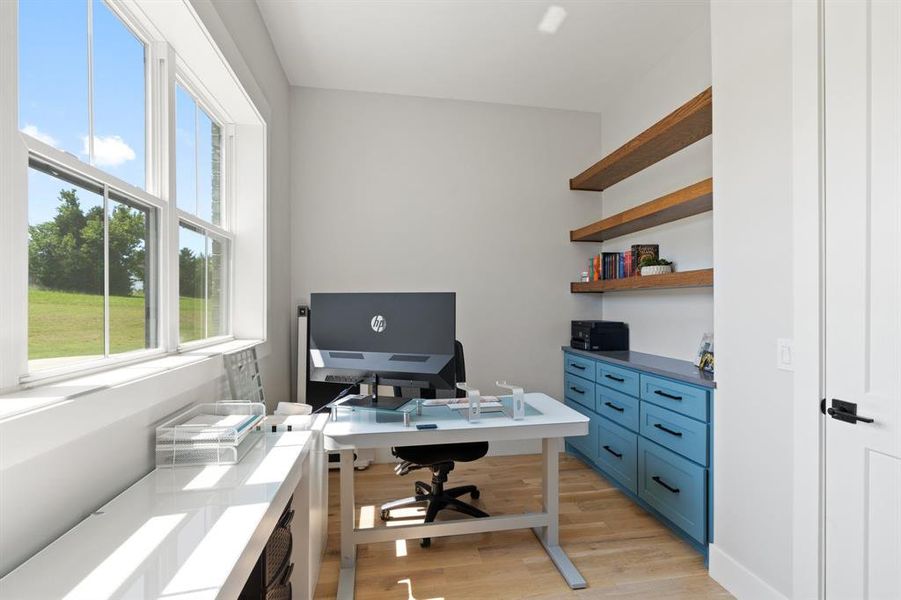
109	151
39	135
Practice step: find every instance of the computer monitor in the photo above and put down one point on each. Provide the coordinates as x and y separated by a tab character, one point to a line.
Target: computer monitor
396	339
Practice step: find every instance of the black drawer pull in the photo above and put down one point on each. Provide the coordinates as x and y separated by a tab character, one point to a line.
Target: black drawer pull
580	367
614	407
669	431
614	378
664	484
665	395
613	452
577	390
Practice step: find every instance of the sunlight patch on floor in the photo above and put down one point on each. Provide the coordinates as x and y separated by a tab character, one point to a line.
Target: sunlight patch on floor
410	595
367	517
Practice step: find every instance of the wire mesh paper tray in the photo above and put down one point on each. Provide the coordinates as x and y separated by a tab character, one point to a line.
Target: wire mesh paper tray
210	433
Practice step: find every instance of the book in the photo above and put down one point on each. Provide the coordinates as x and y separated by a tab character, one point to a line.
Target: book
640	251
611	260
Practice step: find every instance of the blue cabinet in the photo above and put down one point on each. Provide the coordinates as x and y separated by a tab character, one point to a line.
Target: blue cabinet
616	406
618	453
587	445
650	435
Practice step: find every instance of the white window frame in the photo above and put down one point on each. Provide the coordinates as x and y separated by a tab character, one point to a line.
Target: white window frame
165	29
75	168
194	87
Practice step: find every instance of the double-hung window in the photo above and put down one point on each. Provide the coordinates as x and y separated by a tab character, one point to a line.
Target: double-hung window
204	241
92	227
136	169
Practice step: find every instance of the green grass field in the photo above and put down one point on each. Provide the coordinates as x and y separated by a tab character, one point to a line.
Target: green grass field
69	324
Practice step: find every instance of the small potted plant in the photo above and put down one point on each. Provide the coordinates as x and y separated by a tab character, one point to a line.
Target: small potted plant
655	266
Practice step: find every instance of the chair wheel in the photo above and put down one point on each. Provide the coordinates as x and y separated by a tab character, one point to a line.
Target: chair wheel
475	494
425	542
386	515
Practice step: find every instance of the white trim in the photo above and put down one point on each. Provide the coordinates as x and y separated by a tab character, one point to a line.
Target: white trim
13	215
204	343
807	265
737	579
87	367
199	223
106	338
72	164
37	398
90	57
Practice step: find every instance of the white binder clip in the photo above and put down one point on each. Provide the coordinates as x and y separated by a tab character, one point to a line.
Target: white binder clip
519	399
475	402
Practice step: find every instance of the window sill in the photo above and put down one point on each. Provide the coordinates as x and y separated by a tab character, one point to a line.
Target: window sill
39	397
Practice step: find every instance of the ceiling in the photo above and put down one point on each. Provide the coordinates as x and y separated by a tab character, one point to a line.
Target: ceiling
481	50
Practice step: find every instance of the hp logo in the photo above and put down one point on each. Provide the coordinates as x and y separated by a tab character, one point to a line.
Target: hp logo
378	324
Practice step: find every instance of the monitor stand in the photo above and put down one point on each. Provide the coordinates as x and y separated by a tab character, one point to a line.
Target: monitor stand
381	402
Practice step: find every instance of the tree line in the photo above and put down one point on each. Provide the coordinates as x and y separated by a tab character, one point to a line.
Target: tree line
66	252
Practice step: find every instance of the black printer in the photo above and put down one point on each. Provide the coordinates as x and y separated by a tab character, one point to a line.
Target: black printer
600	335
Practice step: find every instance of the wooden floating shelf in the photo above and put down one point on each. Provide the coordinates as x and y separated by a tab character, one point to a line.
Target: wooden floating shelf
682	279
692	200
684	126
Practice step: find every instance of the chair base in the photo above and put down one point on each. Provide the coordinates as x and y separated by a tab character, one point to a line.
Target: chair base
438	499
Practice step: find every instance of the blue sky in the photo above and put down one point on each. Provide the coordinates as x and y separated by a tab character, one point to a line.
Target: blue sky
53	90
53	103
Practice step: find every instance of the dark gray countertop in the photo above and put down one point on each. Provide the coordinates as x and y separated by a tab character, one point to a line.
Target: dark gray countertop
680	370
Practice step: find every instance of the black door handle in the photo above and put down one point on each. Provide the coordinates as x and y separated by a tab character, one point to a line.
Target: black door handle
846	411
665	395
614	378
613	452
669	431
580	367
577	390
614	406
664	484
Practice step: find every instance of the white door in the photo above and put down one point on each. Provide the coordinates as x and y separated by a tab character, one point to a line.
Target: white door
863	298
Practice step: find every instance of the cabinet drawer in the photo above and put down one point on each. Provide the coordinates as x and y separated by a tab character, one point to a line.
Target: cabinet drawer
674	486
578	389
685	399
617	453
586	444
583	367
674	431
622	380
616	406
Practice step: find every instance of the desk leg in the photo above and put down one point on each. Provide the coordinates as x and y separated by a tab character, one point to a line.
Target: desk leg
549	536
348	545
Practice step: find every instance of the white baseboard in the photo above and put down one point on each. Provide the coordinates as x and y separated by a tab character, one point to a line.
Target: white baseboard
738	580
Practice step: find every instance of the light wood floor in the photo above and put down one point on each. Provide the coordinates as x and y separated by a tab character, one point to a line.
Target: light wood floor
620	550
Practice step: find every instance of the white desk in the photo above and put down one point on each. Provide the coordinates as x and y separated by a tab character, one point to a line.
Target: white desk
180	533
367	429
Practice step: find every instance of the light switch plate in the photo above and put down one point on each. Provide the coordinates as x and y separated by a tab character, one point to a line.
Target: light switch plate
785	354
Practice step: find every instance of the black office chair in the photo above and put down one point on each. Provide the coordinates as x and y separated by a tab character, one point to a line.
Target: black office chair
440	458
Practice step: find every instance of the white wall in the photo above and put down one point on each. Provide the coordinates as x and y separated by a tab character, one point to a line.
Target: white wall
752	174
52	484
665	322
397	193
245	26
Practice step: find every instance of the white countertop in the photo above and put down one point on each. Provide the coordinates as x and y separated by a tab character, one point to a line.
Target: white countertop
179	533
548	418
